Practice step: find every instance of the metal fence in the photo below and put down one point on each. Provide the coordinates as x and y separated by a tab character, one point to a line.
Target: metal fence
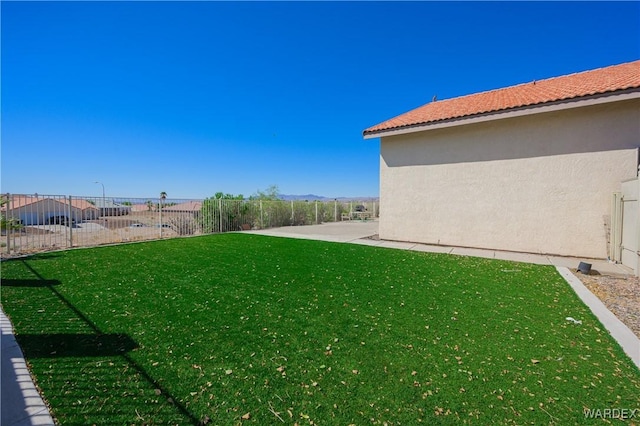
33	223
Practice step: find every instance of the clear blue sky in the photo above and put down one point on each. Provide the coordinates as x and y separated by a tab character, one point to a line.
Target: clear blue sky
200	97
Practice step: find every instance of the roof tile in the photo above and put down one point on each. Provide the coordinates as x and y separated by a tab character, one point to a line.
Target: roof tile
599	81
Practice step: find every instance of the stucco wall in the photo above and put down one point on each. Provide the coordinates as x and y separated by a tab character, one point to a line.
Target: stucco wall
540	183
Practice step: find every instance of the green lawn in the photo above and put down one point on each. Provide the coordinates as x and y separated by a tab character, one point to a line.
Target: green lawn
238	328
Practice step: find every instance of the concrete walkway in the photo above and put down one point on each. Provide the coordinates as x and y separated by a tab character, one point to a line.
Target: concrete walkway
357	232
21	404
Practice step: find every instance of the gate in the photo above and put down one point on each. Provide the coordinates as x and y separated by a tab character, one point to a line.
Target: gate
625	229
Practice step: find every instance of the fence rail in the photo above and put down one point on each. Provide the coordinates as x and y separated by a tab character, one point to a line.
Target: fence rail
33	223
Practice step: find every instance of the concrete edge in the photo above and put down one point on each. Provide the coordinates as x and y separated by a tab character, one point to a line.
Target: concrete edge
20	402
629	342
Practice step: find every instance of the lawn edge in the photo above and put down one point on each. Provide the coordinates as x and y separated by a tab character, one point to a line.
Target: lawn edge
628	341
22	401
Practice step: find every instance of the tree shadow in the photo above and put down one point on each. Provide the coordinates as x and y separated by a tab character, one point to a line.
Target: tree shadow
75	345
29	283
60	353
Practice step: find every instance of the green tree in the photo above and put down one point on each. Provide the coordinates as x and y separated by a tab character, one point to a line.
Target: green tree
271	210
5	222
272	193
222	213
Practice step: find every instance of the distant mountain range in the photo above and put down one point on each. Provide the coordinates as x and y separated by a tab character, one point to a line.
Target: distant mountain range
313	197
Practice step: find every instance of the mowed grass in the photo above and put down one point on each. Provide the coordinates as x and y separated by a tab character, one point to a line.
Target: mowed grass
239	328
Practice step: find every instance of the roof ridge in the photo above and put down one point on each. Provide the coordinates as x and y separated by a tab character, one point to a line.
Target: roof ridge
534	81
552	89
576	73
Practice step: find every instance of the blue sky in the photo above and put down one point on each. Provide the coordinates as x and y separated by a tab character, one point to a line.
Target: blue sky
192	98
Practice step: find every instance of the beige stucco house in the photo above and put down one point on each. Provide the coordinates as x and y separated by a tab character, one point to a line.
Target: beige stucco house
529	168
42	210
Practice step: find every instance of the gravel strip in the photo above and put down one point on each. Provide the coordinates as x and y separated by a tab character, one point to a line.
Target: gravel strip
620	294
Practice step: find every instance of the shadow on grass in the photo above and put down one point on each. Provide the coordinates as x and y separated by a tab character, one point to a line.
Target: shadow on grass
75	345
64	348
29	283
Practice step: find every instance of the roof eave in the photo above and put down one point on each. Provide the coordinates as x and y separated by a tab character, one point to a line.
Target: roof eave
602	98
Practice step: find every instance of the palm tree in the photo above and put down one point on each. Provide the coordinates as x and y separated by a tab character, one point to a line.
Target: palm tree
163	196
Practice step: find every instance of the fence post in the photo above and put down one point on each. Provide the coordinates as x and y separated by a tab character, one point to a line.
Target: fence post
261	217
335	210
70	223
220	208
160	215
7	227
316	212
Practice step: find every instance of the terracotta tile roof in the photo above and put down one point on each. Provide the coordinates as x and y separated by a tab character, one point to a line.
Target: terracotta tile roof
18	201
587	83
189	206
82	204
141	207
